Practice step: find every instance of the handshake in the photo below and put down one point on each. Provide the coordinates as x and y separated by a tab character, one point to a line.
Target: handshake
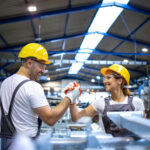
72	91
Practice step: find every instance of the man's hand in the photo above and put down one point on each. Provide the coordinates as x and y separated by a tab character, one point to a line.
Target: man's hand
72	91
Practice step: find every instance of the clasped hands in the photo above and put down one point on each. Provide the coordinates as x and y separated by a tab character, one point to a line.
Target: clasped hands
72	91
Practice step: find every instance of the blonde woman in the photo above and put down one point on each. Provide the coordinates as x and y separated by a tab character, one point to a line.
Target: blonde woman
116	79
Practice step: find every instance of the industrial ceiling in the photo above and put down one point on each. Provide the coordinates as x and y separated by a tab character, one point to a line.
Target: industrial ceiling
61	25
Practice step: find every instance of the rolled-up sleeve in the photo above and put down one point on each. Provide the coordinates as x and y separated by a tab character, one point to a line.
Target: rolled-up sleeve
99	105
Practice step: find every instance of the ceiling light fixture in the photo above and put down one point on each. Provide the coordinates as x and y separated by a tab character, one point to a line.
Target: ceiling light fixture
103	20
62	69
48	78
93	80
98	77
32	8
75	68
125	61
59	54
144	50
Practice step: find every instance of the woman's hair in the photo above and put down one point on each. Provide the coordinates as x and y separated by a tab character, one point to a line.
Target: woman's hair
125	90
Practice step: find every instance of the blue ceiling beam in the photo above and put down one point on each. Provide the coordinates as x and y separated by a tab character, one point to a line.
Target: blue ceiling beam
65	71
77	77
134	31
87	74
101	52
6	43
66	27
26	1
122	55
54	71
91	69
131	80
147	20
7	75
95	52
132	70
71	77
32	24
5	66
33	29
3	39
62	72
48	14
79	35
71	10
59	74
125	39
133	8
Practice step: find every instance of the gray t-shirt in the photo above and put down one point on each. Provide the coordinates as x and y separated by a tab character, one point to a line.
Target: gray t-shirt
29	96
99	104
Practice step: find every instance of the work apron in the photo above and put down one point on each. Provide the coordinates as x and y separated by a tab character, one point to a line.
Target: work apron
110	126
8	129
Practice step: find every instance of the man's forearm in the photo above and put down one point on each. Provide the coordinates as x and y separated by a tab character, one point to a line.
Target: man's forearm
59	110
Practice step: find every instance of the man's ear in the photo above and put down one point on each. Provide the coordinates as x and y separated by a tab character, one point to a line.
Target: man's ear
29	63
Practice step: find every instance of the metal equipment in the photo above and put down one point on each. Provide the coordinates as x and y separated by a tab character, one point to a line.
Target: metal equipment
63	138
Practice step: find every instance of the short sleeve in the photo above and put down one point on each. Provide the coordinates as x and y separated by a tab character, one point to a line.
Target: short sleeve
138	104
37	97
99	105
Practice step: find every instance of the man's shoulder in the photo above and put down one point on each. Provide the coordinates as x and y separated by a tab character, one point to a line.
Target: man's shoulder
8	79
15	79
33	85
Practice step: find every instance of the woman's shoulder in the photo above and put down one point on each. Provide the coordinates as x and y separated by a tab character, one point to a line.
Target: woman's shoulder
136	98
137	101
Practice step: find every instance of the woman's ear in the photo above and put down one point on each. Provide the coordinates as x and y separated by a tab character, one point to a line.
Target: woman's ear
120	81
123	83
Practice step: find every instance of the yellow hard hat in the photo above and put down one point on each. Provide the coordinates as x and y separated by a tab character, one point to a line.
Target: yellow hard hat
34	50
120	70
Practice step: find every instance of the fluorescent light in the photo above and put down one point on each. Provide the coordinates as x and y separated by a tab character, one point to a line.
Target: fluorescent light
92	80
59	54
75	68
57	40
56	64
48	78
60	69
32	8
118	1
125	61
91	41
98	77
103	20
38	39
145	50
85	50
82	57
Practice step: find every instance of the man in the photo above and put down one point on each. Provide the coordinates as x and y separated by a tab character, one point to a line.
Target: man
30	101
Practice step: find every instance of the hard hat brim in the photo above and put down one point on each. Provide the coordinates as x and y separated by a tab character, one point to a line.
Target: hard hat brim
47	62
103	70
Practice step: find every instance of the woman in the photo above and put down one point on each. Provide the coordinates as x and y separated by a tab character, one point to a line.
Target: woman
116	79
